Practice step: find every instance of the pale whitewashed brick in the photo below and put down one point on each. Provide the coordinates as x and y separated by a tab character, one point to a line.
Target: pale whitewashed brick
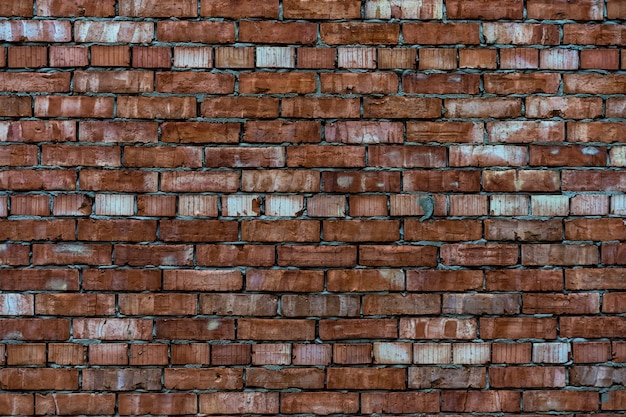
617	156
589	204
275	57
391	353
241	205
471	353
115	205
193	57
551	352
509	205
618	204
549	205
114	32
197	205
284	205
357	58
432	353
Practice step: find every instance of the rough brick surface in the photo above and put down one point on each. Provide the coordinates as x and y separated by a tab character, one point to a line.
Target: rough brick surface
312	207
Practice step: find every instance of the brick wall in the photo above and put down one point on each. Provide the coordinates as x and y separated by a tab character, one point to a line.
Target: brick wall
312	207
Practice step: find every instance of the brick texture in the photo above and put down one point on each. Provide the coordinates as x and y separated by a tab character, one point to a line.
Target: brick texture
312	207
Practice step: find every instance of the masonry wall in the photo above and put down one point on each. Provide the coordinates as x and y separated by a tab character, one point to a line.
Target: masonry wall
312	207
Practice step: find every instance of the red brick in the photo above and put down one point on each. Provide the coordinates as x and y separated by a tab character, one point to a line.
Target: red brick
352	353
141	255
74	304
231	57
14	254
437	328
305	378
595	229
121	379
319	403
567	156
68	156
519	58
196	231
113	132
17	404
567	107
517	328
205	181
230	354
395	256
151	57
158	403
39	279
194	82
78	8
108	354
442	230
325	107
520	180
34	329
110	56
239	402
279	231
591	352
72	205
277	32
338	256
485	10
206	378
284	280
522	83
480	401
402	107
124	181
239	107
584	303
239	9
148	354
440	83
24	155
157	304
27	56
330	9
591	327
272	329
27	379
459	280
56	229
112	329
156	107
15	106
563	400
559	254
234	255
360	33
396	304
36	31
319	305
358	329
121	280
359	83
368	205
26	354
199	132
607	59
205	280
400	402
276	131
276	83
155	8
35	82
245	157
480	304
478	58
361	230
195	329
238	304
113	82
191	353
310	354
161	156
479	254
435	33
510	353
316	57
364	378
521	280
592	84
484	107
75	404
38	131
355	182
12	8
614	400
426	377
613	254
562	9
70	253
437	59
80	106
613	302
